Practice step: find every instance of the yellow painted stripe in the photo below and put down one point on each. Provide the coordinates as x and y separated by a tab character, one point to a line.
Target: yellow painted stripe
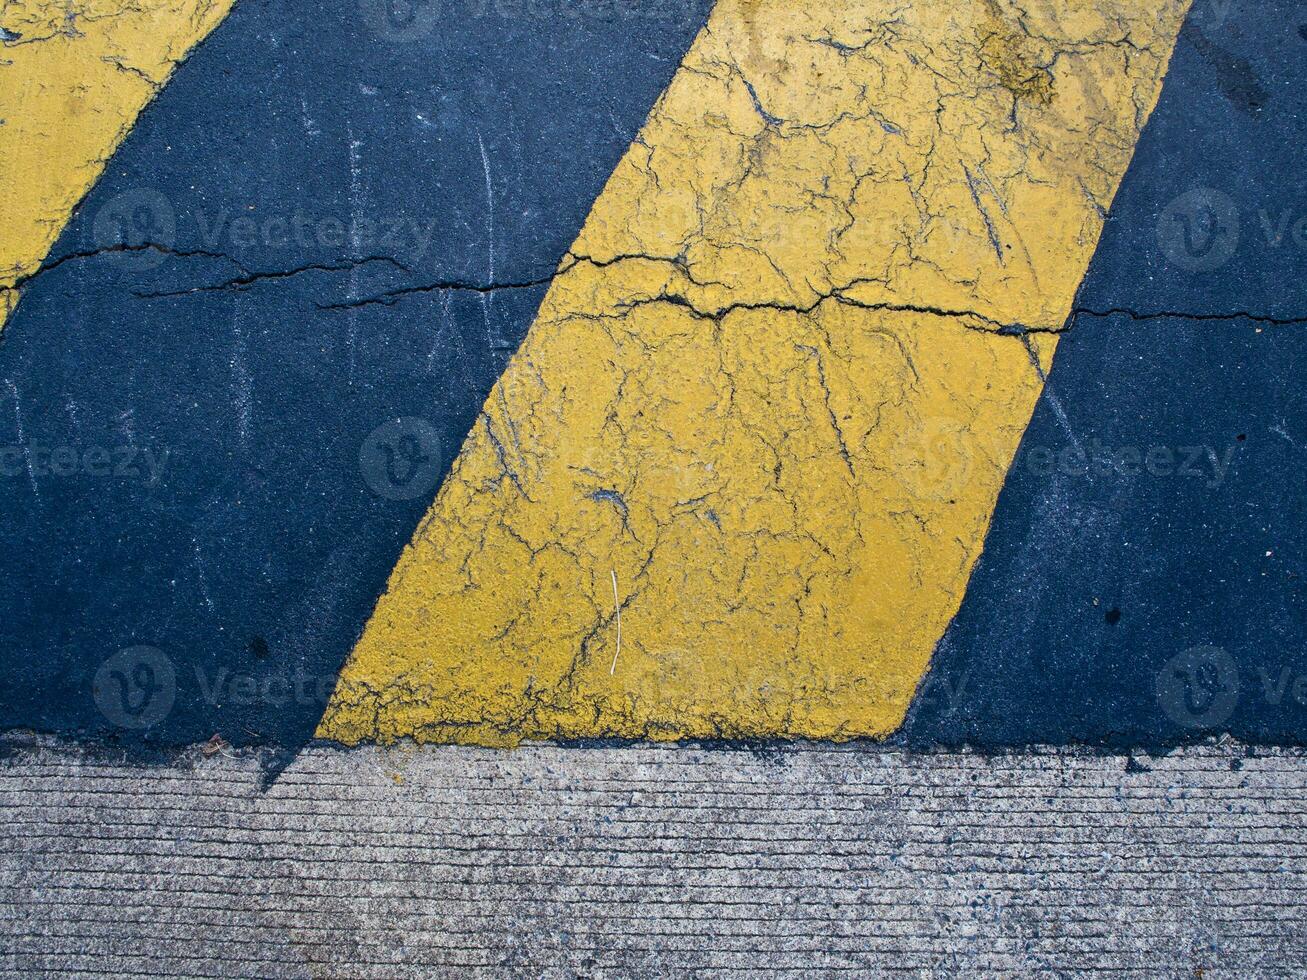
71	87
761	421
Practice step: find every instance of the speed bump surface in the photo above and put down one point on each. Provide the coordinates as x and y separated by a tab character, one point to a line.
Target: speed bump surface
496	372
736	478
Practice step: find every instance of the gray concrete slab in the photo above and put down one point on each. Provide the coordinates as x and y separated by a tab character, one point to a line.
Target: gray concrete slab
641	861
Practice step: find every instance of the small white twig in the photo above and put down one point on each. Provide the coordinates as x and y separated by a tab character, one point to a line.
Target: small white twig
617	604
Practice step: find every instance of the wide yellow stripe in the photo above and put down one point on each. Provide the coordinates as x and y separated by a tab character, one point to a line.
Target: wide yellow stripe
71	87
761	421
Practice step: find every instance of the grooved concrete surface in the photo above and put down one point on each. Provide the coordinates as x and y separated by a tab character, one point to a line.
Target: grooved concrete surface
640	861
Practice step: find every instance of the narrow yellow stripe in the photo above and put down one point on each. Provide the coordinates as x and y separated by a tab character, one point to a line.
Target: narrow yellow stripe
71	87
775	390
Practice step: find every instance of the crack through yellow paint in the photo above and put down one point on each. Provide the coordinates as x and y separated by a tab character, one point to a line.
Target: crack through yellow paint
71	87
777	385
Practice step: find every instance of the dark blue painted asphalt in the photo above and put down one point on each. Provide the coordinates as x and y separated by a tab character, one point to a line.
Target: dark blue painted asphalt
244	522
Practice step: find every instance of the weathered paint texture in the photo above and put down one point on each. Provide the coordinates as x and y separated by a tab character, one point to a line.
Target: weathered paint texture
252	364
73	77
1096	581
736	478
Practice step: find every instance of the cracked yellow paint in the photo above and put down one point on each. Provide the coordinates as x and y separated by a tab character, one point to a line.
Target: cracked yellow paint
74	76
777	385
